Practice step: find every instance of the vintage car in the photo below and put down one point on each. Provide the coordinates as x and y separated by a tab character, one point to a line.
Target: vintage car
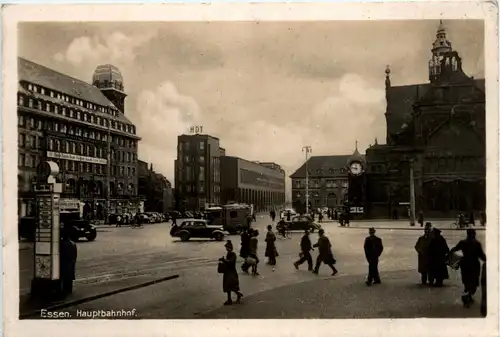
299	222
80	229
196	228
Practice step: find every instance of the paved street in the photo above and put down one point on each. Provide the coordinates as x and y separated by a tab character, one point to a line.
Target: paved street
125	256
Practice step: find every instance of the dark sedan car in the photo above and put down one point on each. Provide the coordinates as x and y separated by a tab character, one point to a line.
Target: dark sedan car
299	222
81	229
196	228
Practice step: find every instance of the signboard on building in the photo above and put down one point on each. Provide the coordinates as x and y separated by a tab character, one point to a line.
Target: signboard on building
357	210
196	129
75	157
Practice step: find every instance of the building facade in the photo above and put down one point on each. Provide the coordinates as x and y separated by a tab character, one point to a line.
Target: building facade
252	183
82	127
437	132
155	189
328	182
197	171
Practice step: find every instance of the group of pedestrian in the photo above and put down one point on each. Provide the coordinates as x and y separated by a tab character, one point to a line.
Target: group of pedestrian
432	250
325	254
434	256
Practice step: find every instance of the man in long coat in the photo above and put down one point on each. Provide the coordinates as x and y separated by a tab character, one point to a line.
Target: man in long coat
245	248
68	255
422	248
373	249
438	253
325	253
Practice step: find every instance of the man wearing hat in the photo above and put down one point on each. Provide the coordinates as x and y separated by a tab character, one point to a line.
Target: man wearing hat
373	249
325	253
305	252
422	248
438	253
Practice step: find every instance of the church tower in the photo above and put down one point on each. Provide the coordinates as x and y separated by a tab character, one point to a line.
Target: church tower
109	80
445	64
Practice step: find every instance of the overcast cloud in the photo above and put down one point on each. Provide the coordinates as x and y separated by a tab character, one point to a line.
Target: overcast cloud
265	89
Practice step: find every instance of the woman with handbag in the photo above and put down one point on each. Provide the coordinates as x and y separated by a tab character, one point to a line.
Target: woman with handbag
230	281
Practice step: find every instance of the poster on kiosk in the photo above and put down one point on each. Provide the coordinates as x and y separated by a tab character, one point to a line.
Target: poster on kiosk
46	253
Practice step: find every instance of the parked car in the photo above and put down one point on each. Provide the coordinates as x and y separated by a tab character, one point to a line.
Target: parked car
196	228
299	222
80	229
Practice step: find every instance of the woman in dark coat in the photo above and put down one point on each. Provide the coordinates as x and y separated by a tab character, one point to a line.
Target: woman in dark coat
438	252
230	281
470	267
271	251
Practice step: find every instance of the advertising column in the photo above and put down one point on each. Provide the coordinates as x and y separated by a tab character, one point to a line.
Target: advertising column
46	282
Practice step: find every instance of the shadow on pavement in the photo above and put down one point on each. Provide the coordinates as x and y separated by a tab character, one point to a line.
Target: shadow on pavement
399	296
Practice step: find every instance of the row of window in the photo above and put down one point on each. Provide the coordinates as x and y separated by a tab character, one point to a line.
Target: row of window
54	94
192	159
185	146
187	174
36	124
314	183
35	142
330	170
77	114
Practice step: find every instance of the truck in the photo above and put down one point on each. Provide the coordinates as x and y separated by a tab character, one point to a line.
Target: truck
232	217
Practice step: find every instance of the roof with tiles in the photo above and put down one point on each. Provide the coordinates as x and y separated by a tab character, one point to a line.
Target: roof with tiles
326	165
37	74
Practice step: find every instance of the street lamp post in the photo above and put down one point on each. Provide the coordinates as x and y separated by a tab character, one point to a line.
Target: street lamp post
307	149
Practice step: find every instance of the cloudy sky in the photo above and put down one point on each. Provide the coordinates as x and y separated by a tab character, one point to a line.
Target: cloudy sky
264	88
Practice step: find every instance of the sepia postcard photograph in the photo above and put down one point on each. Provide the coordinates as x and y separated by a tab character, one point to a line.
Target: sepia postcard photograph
187	169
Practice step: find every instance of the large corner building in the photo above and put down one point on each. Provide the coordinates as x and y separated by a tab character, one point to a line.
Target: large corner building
73	123
439	129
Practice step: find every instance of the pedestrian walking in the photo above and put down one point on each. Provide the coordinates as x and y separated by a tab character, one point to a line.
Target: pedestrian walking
320	217
245	248
305	252
325	254
438	253
421	219
373	249
288	216
119	221
470	266
422	248
273	215
230	281
252	255
68	254
271	251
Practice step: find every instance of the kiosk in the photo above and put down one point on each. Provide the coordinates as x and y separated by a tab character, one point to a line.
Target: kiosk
46	282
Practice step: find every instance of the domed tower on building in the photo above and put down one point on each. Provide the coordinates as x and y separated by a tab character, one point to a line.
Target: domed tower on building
109	80
445	64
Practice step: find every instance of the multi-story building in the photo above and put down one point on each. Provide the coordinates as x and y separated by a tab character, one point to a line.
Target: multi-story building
437	130
197	171
262	185
154	189
74	123
328	180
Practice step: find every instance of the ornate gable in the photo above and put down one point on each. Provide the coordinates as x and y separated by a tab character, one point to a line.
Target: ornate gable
455	136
